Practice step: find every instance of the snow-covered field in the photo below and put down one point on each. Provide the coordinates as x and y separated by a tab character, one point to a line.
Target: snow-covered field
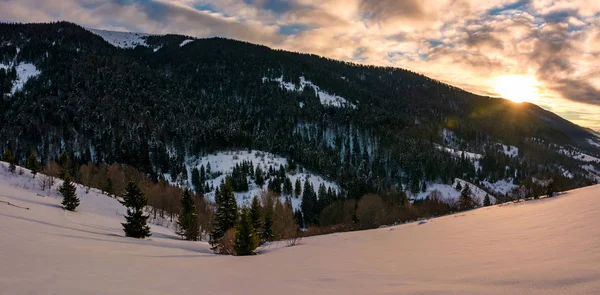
548	246
224	162
122	39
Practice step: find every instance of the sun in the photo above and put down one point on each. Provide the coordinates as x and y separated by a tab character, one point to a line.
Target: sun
516	88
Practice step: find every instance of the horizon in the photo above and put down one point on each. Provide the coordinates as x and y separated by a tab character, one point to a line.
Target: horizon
542	52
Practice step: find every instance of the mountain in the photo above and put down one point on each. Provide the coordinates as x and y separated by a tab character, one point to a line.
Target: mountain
154	101
547	246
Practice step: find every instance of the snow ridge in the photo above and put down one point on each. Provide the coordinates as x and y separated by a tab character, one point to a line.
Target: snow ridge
122	39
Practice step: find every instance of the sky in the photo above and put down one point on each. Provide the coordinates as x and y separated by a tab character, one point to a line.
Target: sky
542	51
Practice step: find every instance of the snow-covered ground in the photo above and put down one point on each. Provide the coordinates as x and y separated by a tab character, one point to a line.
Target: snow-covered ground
459	153
185	42
450	193
547	246
224	162
578	155
122	39
594	142
327	99
502	186
511	151
25	71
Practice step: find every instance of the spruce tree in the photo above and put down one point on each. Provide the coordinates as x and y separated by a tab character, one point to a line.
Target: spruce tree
68	191
259	177
550	189
65	165
287	187
309	204
188	218
246	240
7	156
226	215
135	201
256	214
486	201
266	234
297	188
196	180
33	164
10	159
465	201
458	186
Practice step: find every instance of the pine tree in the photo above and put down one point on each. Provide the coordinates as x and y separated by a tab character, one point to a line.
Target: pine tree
68	191
297	188
550	189
65	165
135	201
267	231
465	201
259	177
226	216
246	240
10	159
196	180
188	218
458	186
208	170
287	187
309	204
33	164
486	201
256	214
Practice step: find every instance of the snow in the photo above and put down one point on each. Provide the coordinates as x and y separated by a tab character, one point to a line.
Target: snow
25	71
578	155
185	42
478	193
592	142
450	194
122	39
326	98
224	162
511	151
457	152
502	186
594	172
546	246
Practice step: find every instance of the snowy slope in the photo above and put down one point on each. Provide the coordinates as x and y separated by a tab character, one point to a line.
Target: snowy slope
459	153
25	71
578	155
450	194
122	39
326	98
224	162
547	246
185	42
593	142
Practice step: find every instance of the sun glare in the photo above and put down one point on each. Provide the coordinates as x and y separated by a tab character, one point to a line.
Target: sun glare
516	88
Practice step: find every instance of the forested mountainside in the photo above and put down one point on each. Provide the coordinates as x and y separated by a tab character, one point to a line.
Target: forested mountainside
151	101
